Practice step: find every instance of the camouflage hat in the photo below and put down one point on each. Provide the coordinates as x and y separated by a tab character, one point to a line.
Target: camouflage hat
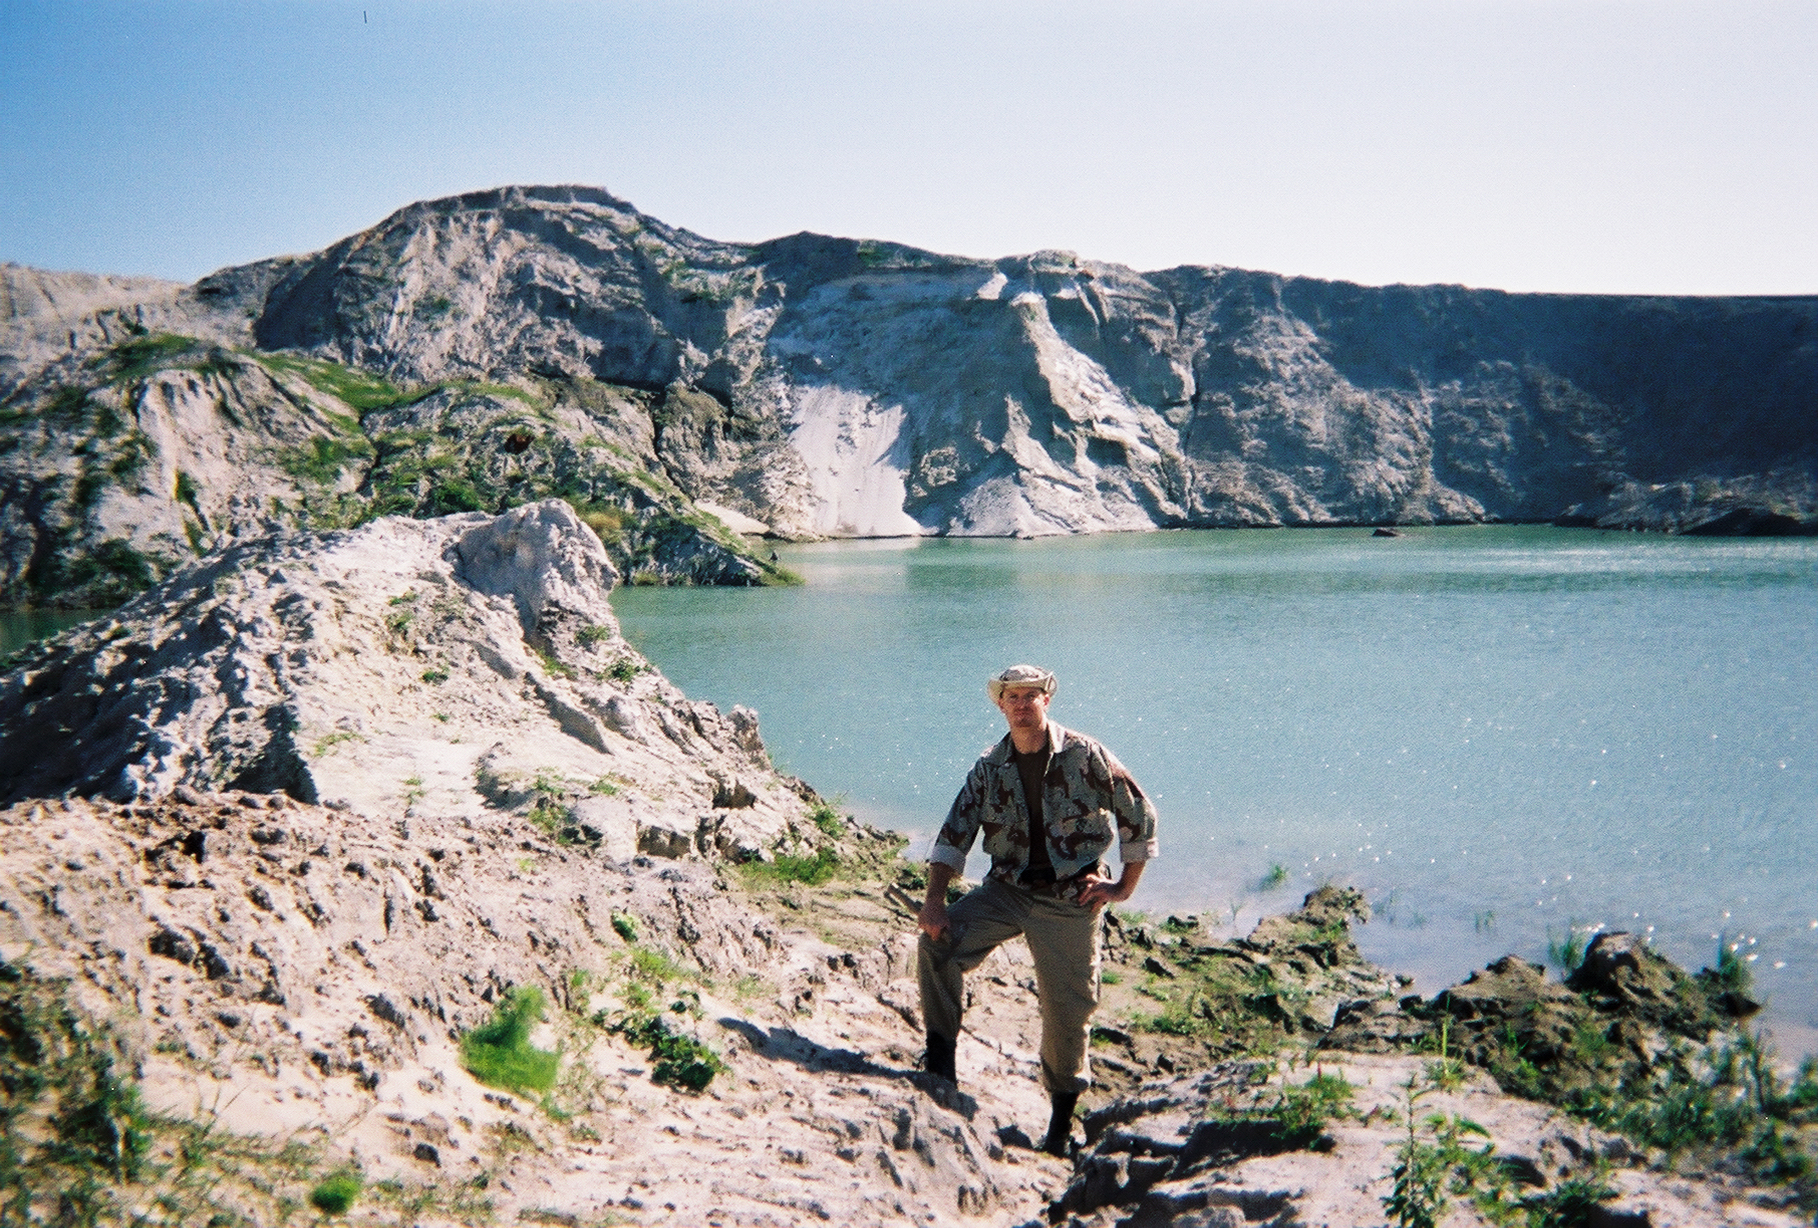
1021	675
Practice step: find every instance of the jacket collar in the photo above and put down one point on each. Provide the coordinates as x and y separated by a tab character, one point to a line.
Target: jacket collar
1001	754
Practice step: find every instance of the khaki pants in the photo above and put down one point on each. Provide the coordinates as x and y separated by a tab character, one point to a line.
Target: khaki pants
1063	938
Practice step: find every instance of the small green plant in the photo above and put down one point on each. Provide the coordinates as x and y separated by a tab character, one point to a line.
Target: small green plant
186	491
1433	1167
1567	953
1730	973
1445	1071
499	1054
593	634
828	820
1302	1110
549	816
625	926
336	1194
1570	1204
605	786
436	677
323	457
1277	875
624	670
680	1060
553	666
656	968
327	742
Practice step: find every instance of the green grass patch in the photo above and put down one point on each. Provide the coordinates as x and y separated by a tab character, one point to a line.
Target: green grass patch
499	1054
142	356
809	869
336	1194
361	390
324	457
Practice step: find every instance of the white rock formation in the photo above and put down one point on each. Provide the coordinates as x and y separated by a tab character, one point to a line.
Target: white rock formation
436	669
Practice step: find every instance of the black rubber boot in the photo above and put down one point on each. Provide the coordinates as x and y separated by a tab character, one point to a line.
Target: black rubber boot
939	1061
1060	1124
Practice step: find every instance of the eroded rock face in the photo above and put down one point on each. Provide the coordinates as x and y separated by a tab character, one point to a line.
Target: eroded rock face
408	669
869	388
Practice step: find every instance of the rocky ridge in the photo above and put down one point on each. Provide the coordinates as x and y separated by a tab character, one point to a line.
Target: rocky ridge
489	349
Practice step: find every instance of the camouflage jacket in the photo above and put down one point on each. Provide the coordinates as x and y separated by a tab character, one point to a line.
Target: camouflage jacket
1089	800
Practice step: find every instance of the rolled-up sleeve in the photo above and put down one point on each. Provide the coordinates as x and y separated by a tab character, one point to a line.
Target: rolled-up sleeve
1135	815
954	840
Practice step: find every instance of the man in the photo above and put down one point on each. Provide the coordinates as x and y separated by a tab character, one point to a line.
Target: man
1051	802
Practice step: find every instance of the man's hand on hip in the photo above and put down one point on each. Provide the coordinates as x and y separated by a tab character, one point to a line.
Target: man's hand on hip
1099	890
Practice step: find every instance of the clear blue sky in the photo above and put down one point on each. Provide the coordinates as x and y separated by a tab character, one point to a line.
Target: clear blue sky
1526	144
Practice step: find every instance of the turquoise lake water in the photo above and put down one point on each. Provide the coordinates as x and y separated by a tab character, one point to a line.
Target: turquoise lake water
1494	732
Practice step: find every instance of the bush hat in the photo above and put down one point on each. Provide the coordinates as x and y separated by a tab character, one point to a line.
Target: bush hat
1021	675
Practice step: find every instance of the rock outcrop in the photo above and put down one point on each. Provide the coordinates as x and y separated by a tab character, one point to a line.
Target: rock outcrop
484	350
135	438
407	669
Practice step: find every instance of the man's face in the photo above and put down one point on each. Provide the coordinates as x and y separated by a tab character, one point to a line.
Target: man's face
1025	707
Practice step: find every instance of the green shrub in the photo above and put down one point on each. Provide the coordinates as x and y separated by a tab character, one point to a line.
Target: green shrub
828	820
336	1194
67	405
499	1054
593	634
680	1060
1277	875
625	926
